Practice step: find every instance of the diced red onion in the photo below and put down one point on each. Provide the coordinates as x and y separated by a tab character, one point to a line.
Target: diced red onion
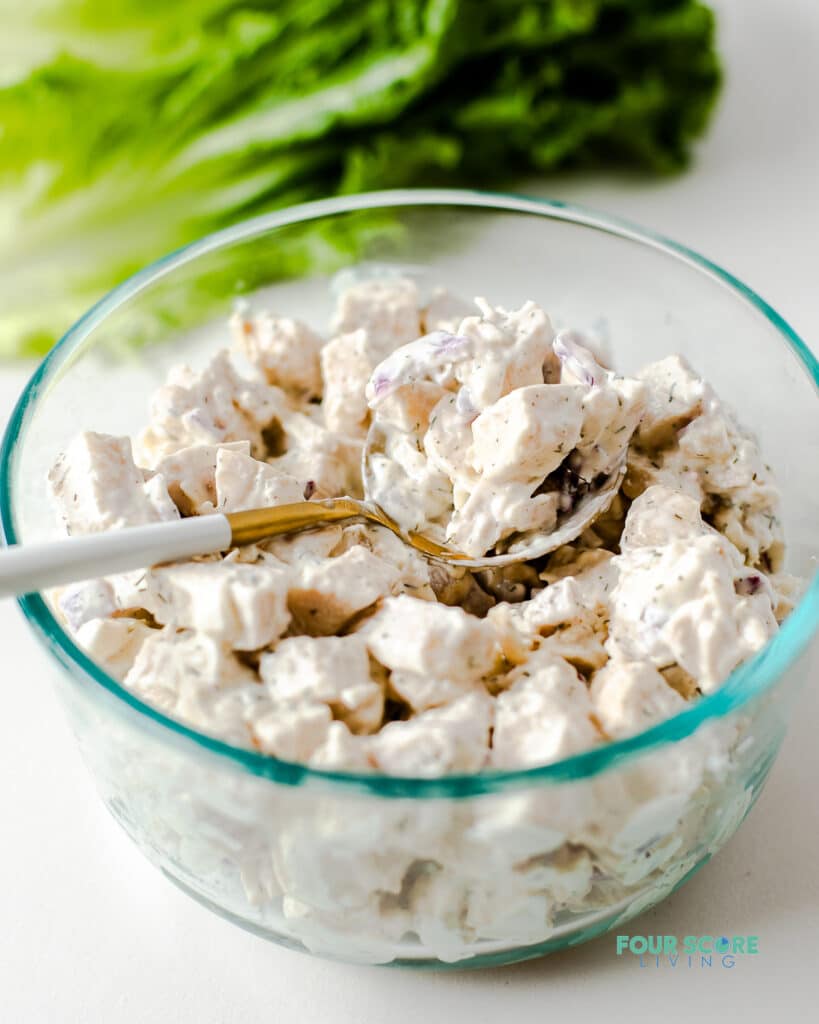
576	359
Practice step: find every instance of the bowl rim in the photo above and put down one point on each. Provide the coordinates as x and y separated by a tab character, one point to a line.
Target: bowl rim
747	681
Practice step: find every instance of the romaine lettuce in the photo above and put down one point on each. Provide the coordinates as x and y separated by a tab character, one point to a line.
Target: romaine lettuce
131	126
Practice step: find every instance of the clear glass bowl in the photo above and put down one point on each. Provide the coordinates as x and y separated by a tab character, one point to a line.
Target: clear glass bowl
468	870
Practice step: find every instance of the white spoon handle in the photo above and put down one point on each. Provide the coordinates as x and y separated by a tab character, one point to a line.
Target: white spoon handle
29	567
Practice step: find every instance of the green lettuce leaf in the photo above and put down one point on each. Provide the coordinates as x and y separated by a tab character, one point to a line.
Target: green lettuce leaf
130	127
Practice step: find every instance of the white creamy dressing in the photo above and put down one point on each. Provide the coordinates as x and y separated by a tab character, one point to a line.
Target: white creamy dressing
490	433
344	649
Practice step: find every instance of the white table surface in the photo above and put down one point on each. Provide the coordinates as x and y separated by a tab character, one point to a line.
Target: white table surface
91	932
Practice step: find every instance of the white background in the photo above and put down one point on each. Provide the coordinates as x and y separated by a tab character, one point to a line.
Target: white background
90	932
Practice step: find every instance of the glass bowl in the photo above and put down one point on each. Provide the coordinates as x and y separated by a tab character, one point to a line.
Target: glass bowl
467	870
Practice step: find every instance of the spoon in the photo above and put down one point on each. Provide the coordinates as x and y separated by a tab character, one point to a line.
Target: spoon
31	567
